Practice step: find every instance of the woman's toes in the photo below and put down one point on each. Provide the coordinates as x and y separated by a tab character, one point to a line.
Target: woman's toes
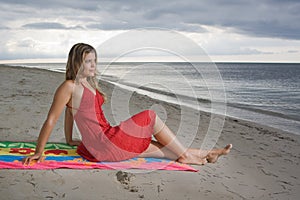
227	149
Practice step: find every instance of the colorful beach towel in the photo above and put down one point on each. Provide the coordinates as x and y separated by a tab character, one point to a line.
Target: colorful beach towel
60	155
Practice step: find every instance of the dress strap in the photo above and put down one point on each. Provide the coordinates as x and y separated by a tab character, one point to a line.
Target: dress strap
87	88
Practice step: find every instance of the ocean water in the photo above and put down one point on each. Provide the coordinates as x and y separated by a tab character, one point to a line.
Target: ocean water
265	93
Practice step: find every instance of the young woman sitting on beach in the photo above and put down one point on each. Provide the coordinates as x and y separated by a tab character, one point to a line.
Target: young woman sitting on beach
82	99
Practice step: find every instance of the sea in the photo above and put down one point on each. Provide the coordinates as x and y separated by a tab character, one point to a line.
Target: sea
264	93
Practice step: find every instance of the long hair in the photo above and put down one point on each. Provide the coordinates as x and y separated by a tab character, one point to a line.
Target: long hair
75	63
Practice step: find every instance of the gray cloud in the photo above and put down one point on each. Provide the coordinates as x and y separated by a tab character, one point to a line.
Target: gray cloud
88	5
263	18
293	51
4	27
127	26
44	25
49	25
28	27
26	43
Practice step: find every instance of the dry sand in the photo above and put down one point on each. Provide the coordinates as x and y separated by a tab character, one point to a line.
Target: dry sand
263	164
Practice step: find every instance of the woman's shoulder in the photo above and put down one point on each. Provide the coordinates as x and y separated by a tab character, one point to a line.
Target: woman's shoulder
67	85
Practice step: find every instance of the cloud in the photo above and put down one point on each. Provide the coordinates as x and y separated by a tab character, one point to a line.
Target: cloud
119	25
26	43
49	25
293	51
28	48
262	18
44	25
248	27
4	27
88	5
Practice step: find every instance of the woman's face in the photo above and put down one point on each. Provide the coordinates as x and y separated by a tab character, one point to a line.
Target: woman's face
89	65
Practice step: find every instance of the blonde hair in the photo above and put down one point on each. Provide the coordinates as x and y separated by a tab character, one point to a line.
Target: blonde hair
75	62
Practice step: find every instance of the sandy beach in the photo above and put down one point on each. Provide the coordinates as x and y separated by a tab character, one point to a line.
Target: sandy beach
263	164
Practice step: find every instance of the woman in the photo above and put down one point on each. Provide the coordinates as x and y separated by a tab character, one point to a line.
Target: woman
82	97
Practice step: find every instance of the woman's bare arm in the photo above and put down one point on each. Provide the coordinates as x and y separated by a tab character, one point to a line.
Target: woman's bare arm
62	96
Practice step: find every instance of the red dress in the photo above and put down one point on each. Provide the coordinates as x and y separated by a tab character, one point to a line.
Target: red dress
101	141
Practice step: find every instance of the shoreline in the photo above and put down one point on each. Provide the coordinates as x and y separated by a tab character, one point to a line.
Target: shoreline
274	118
263	164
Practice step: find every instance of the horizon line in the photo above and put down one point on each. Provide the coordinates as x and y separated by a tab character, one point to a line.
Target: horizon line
64	60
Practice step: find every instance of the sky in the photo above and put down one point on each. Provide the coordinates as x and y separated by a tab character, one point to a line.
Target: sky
227	30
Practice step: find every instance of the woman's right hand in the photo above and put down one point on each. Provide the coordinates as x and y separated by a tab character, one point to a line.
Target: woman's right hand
37	156
74	142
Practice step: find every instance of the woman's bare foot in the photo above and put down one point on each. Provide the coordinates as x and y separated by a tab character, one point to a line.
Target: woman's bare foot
201	157
214	154
189	158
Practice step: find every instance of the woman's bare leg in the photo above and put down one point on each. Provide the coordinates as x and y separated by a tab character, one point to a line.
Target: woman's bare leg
168	146
166	138
156	150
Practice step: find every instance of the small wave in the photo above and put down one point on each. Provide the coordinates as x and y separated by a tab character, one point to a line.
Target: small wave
263	111
58	70
158	91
